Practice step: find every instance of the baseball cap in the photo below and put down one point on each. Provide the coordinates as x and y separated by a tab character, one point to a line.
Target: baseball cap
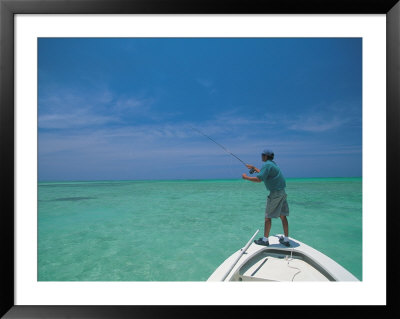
267	152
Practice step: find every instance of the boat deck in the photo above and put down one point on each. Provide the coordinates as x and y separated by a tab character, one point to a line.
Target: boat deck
276	262
279	267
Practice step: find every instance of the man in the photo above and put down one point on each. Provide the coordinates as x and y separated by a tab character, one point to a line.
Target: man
277	205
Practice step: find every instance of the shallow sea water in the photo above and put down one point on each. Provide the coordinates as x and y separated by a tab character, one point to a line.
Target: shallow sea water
183	230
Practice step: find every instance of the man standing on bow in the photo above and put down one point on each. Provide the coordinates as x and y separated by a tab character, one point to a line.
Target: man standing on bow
277	205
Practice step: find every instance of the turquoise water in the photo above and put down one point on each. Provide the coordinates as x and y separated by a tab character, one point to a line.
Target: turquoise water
183	230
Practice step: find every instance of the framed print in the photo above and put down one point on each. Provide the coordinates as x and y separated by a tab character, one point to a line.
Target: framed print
119	117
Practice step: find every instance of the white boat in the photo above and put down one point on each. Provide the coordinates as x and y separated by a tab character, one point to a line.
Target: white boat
276	262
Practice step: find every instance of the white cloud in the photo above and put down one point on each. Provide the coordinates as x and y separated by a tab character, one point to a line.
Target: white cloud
168	144
148	149
132	105
62	109
205	82
316	123
74	119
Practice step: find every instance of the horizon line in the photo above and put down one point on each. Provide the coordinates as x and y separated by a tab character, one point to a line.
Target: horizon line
183	179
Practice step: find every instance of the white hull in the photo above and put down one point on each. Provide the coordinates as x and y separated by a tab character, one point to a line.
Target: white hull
276	262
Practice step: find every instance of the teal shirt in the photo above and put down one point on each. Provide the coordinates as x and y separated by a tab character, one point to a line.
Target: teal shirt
272	176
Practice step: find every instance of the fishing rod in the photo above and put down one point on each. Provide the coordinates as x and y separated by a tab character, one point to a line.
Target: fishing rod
252	170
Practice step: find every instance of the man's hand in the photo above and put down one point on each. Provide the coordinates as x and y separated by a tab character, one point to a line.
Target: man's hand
252	168
244	176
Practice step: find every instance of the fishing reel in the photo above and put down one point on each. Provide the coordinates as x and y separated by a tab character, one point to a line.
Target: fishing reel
252	170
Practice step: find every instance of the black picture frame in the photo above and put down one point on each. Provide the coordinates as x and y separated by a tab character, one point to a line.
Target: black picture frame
8	8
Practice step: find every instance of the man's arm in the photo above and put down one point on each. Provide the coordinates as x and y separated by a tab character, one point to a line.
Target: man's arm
252	179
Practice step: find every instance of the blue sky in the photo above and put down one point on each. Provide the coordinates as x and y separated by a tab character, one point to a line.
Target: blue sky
112	109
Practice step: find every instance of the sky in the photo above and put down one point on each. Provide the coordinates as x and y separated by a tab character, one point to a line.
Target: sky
130	108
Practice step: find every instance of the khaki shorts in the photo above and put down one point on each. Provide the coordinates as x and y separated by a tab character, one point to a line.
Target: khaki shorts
277	204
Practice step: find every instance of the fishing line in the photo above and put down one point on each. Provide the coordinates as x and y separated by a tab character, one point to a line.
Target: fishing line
223	147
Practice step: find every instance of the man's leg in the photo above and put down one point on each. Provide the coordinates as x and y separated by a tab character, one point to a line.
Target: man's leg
267	227
285	225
